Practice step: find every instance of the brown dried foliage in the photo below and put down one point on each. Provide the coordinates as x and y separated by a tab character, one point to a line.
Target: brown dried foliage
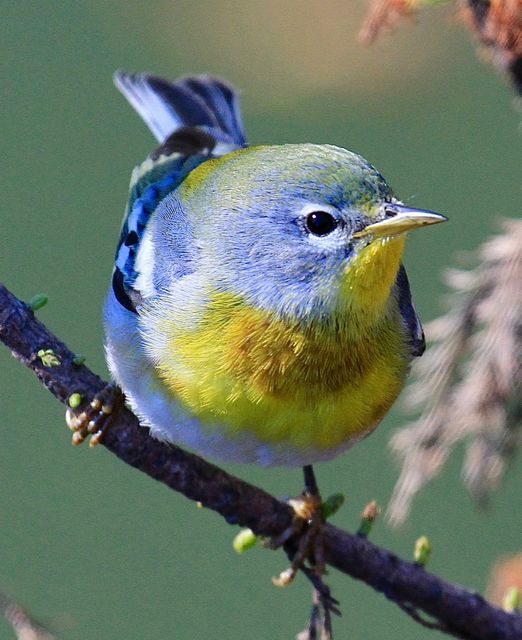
469	381
500	27
506	573
497	23
384	14
24	625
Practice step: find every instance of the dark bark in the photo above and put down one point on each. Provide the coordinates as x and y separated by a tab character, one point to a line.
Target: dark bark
450	608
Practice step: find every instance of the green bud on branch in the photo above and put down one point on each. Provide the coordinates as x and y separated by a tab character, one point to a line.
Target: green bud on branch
369	515
511	600
422	551
38	301
331	505
49	358
75	400
244	540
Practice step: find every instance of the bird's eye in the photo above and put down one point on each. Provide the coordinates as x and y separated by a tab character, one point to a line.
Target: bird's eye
390	211
320	223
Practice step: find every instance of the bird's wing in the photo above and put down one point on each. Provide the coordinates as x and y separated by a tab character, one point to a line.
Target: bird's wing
194	119
409	315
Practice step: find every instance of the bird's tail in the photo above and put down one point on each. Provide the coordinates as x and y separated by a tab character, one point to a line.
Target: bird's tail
202	101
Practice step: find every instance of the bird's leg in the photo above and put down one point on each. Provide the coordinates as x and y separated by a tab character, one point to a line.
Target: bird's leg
96	418
323	602
310	483
308	508
307	524
304	544
300	538
303	539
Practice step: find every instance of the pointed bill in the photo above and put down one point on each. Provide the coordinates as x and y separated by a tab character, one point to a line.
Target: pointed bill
400	219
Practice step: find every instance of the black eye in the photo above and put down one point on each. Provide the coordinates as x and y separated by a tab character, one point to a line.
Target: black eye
320	223
390	211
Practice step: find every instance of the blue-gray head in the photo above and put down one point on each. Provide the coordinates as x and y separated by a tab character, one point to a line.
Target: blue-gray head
301	230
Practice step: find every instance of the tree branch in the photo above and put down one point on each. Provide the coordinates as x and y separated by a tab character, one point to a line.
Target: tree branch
453	609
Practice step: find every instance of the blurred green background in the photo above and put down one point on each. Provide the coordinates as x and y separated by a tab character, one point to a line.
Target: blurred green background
96	549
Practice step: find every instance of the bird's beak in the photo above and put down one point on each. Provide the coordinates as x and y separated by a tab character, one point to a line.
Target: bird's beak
400	219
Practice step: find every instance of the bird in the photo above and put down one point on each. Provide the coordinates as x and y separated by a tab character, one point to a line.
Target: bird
259	311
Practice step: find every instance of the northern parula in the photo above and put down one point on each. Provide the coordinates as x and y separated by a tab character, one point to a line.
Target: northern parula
259	311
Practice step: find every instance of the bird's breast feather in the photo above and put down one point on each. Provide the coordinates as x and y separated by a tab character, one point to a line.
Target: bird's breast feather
282	381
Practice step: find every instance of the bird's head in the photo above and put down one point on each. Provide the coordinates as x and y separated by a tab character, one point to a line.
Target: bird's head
302	230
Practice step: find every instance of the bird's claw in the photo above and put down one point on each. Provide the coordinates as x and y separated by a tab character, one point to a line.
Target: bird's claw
306	531
96	418
320	622
304	543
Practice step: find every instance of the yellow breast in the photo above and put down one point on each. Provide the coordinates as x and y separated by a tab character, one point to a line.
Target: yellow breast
313	388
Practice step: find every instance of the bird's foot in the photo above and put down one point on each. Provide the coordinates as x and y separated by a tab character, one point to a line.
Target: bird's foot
305	534
320	623
304	543
96	418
